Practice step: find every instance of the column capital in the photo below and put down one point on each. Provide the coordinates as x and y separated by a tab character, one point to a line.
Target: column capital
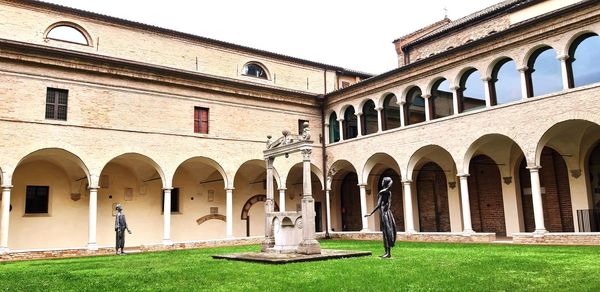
533	167
358	114
523	69
407	181
282	189
461	175
562	57
426	96
454	87
340	120
229	189
379	108
6	187
167	189
93	188
486	78
362	185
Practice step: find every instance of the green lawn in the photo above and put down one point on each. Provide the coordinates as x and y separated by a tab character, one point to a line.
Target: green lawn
414	266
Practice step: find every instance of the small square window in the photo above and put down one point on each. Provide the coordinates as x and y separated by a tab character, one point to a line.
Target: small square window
56	104
200	120
36	200
301	126
345	84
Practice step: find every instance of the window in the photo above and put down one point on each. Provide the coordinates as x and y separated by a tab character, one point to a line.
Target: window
36	200
174	201
334	128
200	120
471	92
506	82
369	118
391	112
56	104
414	109
255	70
68	33
345	84
441	100
544	75
584	52
301	126
350	123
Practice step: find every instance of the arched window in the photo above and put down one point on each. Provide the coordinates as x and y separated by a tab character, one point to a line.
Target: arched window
471	94
441	100
350	124
544	74
391	112
68	33
369	118
334	128
506	82
414	109
584	60
255	70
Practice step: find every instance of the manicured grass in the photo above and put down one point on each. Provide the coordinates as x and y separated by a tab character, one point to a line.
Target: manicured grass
415	266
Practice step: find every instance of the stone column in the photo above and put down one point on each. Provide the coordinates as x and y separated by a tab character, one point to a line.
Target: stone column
309	244
4	224
269	240
328	207
408	208
466	205
359	123
379	119
93	217
488	94
363	207
167	217
282	199
455	99
536	196
427	107
564	70
229	212
402	121
341	125
523	72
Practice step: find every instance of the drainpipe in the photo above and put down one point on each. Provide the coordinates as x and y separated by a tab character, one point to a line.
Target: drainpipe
324	148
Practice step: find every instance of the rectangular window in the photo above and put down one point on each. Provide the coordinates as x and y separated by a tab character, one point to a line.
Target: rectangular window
56	104
174	201
200	120
36	200
301	126
345	84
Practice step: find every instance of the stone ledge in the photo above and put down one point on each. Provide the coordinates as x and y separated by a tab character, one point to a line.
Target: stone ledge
418	237
280	258
562	238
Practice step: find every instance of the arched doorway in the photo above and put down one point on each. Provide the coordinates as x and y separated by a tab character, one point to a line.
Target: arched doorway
432	198
397	198
485	196
556	194
351	214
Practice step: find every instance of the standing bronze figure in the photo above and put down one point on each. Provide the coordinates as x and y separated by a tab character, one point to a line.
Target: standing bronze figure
388	225
120	227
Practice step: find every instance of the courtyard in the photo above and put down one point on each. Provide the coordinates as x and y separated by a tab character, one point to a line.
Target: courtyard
414	266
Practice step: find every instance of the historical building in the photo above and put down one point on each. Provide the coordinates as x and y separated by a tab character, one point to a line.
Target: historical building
489	128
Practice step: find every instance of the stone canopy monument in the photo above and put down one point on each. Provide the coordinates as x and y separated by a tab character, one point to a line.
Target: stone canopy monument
287	231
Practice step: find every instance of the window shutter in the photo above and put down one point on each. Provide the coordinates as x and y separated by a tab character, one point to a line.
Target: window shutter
196	120
204	121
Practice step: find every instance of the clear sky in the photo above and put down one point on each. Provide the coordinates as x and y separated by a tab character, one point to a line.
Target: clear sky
353	34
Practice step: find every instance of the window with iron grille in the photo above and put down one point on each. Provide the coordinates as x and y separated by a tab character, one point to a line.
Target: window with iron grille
174	201
56	104
36	199
201	120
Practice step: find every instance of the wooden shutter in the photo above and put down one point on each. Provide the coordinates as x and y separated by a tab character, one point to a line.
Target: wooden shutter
201	120
196	120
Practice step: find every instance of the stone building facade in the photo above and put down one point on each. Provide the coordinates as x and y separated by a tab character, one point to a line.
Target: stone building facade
489	128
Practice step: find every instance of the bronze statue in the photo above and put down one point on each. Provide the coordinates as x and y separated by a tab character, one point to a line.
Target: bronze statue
120	227
388	225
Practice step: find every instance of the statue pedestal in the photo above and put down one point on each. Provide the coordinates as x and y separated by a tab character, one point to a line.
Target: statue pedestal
310	246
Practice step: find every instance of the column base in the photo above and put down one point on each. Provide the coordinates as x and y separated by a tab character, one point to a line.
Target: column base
468	232
410	232
92	246
167	242
267	244
365	230
309	246
4	250
539	232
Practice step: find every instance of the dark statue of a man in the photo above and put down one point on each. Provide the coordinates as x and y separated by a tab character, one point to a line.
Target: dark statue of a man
388	225
120	227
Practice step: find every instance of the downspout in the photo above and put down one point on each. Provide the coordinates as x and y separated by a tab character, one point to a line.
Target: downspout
324	148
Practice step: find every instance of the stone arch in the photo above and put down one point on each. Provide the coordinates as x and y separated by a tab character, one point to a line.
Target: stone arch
361	104
567	46
248	205
372	162
79	28
313	169
67	156
492	65
524	63
457	78
258	163
423	156
137	157
491	142
379	102
432	82
207	161
581	121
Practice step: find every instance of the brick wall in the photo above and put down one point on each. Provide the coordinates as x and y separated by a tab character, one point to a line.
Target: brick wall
432	196
485	196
